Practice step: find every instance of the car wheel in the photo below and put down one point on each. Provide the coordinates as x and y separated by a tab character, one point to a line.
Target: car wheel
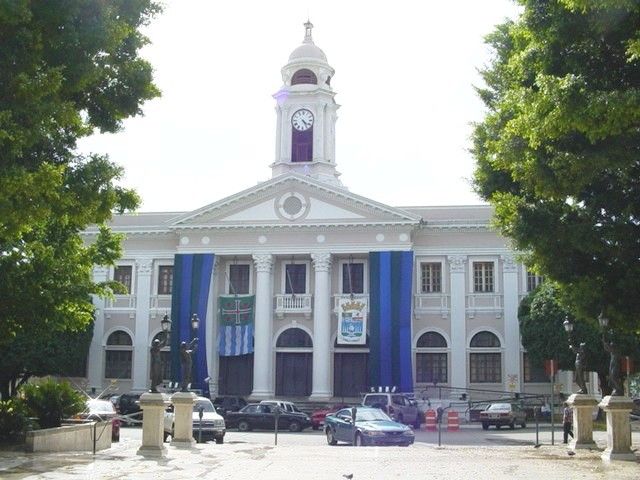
294	427
219	440
523	424
358	441
512	425
243	426
485	426
331	440
498	427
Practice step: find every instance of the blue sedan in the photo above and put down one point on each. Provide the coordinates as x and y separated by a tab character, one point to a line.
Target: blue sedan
372	427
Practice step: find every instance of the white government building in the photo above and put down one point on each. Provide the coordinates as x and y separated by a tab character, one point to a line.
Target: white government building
303	245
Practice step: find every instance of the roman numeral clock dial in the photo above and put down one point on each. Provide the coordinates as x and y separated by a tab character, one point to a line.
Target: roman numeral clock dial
302	120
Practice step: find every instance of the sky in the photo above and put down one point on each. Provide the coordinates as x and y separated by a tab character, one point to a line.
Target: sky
405	72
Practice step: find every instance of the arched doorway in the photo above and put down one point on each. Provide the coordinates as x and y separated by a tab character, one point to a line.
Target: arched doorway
294	363
350	369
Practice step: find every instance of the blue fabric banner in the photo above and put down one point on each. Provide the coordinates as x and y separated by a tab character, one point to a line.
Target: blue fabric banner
191	284
390	279
235	335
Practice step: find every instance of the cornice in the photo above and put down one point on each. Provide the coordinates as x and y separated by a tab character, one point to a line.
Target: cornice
292	226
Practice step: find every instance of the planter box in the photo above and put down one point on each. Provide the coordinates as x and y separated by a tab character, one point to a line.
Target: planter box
70	438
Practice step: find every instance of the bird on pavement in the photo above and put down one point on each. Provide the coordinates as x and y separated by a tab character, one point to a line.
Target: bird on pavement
348	476
571	453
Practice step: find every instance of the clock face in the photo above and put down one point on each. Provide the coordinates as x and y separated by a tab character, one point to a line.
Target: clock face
302	120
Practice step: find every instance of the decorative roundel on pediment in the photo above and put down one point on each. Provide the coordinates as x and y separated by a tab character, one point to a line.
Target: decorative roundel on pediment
292	206
184	241
205	240
403	237
380	237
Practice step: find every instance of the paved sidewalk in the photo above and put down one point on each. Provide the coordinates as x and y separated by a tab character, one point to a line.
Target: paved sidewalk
253	460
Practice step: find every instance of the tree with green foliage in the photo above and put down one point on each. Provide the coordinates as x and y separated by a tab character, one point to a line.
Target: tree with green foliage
67	68
558	152
541	315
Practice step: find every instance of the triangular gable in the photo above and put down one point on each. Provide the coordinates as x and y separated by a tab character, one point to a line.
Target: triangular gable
268	204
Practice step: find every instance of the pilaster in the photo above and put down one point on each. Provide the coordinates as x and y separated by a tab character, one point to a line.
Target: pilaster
458	321
321	385
141	342
512	359
96	352
262	371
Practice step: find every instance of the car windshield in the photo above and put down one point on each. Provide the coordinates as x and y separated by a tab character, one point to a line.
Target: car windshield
206	406
371	415
499	406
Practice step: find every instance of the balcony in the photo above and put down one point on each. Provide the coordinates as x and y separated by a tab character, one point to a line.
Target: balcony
478	303
433	303
160	302
356	297
121	302
300	303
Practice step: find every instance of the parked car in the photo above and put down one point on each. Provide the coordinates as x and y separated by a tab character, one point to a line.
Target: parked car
102	410
228	403
128	404
284	405
398	406
500	414
263	415
213	425
476	409
318	416
372	427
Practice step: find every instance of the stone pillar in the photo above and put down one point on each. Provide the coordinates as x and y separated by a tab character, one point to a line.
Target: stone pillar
183	419
153	406
582	406
512	357
321	389
458	360
96	351
262	380
142	342
618	428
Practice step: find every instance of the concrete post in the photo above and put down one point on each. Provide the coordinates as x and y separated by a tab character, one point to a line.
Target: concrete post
153	407
618	428
582	406
183	419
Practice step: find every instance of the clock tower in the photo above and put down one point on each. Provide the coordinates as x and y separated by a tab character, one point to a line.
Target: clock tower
306	110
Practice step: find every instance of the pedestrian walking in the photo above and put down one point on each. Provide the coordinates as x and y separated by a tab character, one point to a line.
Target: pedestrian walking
567	422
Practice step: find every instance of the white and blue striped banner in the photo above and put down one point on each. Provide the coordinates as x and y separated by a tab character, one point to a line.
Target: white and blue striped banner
235	335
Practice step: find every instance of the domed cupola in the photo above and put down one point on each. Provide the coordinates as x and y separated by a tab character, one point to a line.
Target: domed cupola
305	141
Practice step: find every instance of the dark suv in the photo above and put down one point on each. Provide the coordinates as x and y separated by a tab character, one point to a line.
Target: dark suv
228	403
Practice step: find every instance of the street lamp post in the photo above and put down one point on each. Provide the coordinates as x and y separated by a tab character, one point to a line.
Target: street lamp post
580	351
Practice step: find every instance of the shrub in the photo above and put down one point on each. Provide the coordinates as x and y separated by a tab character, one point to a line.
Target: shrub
51	401
14	421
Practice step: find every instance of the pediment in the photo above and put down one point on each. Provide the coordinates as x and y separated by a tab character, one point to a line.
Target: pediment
293	200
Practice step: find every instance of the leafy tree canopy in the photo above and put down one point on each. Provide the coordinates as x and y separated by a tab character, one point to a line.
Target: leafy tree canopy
558	151
67	68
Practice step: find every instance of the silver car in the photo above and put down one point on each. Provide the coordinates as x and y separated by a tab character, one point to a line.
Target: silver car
213	425
398	406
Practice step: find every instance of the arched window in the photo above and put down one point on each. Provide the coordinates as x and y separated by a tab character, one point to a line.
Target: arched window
484	340
119	355
304	76
294	338
165	357
431	358
485	358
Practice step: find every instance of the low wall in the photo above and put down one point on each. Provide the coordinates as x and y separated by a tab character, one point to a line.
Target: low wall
69	438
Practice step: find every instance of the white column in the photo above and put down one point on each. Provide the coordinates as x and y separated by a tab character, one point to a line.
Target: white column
96	352
213	359
458	321
321	389
262	378
142	342
512	357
